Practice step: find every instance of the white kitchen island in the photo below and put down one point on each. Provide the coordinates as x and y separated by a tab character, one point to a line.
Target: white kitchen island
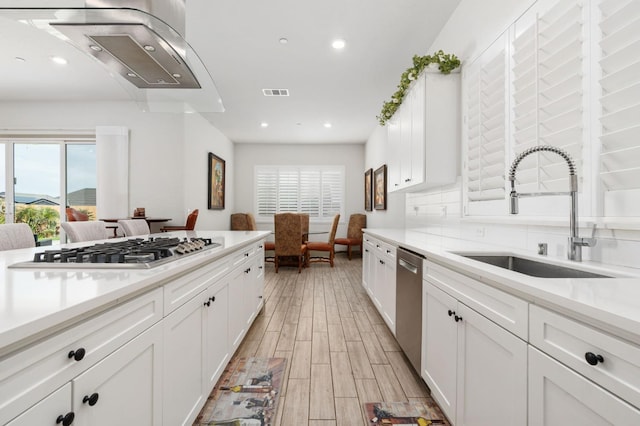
124	346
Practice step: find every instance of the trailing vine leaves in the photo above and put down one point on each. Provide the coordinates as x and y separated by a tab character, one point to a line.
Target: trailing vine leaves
446	64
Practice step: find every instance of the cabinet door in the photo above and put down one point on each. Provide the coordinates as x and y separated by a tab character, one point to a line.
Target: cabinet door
367	265
126	385
47	411
216	335
183	361
237	311
489	357
440	343
404	113
379	278
254	279
416	154
393	153
559	396
387	293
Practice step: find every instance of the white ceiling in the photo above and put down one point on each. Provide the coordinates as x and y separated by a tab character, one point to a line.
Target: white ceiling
238	42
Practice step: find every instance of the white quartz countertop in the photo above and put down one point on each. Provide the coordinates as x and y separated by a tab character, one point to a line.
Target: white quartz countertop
33	301
612	304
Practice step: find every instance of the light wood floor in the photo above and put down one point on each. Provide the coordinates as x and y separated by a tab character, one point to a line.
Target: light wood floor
340	353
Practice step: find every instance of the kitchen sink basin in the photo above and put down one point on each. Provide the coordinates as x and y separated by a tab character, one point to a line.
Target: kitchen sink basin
532	268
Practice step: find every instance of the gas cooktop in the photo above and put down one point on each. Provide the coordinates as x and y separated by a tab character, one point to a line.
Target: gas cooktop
137	253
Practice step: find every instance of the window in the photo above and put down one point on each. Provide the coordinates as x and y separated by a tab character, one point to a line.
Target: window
315	190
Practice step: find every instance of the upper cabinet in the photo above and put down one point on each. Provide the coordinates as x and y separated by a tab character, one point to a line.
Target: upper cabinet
423	134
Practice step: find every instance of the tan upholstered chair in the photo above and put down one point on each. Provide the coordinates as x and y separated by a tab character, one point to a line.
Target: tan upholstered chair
252	222
239	222
132	227
325	246
189	226
357	221
288	230
85	231
16	236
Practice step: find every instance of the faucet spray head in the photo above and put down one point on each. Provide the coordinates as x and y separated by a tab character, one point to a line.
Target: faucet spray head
513	202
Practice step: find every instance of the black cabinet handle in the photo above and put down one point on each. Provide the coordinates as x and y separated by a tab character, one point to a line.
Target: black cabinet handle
92	400
457	318
260	246
207	303
450	312
382	262
246	271
78	354
593	359
212	298
246	255
67	419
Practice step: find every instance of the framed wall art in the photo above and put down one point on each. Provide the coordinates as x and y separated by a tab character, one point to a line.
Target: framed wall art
368	185
380	188
216	182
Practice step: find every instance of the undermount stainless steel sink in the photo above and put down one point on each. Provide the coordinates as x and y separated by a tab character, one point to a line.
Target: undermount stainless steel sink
532	267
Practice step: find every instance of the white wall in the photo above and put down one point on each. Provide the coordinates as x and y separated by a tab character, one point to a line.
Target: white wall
167	158
438	213
350	156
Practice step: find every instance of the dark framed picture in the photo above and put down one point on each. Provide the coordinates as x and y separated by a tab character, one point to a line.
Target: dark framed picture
380	188
216	182
368	185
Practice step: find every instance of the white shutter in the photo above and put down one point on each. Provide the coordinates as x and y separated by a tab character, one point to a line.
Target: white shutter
266	191
332	193
486	126
288	184
310	191
548	94
620	101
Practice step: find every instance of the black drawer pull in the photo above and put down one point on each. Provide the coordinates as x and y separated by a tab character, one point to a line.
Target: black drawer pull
92	400
450	312
592	358
78	354
67	419
457	318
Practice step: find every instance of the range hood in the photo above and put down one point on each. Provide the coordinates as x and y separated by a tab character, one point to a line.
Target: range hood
140	42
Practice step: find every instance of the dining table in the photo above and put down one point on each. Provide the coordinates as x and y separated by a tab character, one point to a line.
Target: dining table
149	220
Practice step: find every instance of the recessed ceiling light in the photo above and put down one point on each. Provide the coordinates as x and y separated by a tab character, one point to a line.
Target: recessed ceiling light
149	48
176	75
59	60
19	59
338	44
327	125
95	47
264	124
130	74
283	40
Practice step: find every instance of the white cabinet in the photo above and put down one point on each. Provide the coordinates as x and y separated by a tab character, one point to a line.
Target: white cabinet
559	396
379	271
463	355
423	134
56	406
125	387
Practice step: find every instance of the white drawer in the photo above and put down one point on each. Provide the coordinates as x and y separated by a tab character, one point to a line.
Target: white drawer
33	373
569	341
507	311
386	250
241	256
182	289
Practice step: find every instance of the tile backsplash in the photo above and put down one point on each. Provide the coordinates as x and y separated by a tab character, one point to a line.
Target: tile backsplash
438	214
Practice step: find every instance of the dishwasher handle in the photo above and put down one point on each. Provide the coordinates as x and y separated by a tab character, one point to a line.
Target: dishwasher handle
408	266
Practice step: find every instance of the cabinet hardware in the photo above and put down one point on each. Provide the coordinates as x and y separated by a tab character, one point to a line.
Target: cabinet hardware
381	262
246	255
592	358
212	298
92	400
457	318
207	303
78	354
450	312
67	419
246	271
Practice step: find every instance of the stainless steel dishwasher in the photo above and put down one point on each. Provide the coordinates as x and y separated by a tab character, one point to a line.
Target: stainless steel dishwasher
409	304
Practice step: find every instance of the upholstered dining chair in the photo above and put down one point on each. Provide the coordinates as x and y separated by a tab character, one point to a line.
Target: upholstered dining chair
239	222
85	231
357	221
251	220
16	236
288	233
324	246
189	226
132	227
74	215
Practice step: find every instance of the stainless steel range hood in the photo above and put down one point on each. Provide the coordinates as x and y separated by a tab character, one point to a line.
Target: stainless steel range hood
140	42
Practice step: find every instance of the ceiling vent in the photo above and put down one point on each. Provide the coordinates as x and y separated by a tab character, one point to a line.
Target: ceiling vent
275	92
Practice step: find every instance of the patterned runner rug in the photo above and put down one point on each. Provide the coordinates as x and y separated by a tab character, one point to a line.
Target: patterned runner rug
404	413
246	394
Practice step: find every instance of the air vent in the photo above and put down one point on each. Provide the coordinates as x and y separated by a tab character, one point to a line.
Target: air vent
275	92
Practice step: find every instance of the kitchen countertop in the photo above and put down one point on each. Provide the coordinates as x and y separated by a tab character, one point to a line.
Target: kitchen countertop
611	304
38	302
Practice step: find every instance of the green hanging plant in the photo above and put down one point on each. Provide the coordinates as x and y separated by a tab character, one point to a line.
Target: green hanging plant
446	64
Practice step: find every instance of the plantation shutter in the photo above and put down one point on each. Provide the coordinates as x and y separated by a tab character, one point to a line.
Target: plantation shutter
310	191
548	93
266	191
485	114
620	102
332	193
288	184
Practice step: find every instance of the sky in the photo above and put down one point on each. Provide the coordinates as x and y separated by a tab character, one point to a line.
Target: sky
37	168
